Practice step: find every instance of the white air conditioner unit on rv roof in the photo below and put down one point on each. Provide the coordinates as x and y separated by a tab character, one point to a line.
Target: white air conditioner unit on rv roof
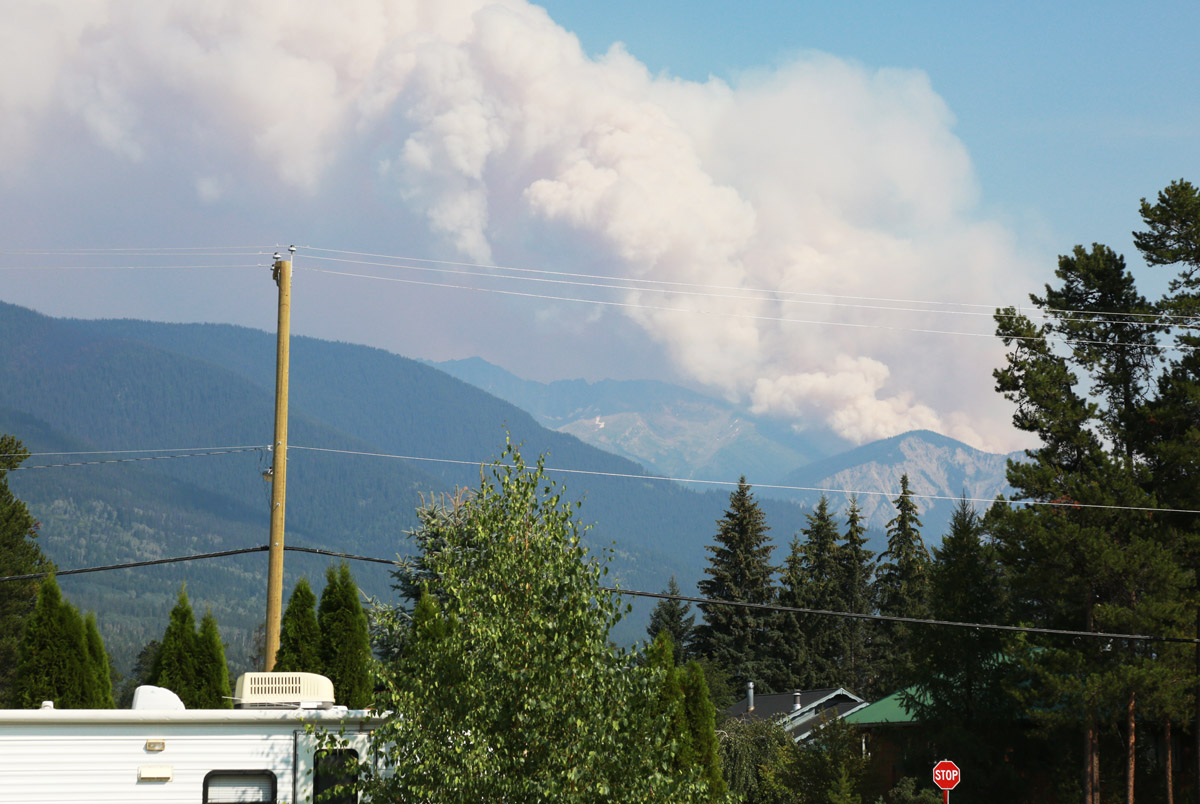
283	691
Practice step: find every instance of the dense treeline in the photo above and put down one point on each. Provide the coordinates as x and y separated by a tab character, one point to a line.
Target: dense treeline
1102	536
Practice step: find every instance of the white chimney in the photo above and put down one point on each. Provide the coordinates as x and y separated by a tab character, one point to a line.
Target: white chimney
749	696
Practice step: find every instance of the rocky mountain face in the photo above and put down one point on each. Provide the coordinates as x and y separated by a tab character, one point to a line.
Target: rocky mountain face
940	471
670	430
676	432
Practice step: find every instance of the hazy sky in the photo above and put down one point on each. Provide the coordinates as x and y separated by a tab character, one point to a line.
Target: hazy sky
810	208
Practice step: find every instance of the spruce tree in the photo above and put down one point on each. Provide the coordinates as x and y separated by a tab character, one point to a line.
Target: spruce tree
961	694
53	660
212	683
674	618
177	666
143	673
856	574
101	666
299	633
792	646
345	639
902	589
744	641
813	581
19	555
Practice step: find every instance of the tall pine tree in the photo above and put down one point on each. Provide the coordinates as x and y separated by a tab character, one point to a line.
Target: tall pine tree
902	589
345	638
961	694
1091	560
743	641
19	555
856	575
674	618
1172	420
812	580
791	651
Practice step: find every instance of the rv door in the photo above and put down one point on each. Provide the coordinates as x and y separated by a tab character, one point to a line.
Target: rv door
326	766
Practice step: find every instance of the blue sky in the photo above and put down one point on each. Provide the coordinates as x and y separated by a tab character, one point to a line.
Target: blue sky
806	208
1072	111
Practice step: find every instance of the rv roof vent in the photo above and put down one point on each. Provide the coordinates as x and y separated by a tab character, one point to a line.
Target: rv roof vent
283	691
148	697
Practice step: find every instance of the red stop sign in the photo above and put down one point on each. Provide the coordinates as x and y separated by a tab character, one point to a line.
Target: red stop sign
946	775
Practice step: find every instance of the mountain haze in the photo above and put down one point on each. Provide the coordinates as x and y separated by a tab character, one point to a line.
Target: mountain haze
73	385
677	432
672	431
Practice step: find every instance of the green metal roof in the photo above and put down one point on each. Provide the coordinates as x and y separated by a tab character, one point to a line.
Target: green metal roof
885	710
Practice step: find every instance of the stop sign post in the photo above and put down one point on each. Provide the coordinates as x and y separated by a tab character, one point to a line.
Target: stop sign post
946	776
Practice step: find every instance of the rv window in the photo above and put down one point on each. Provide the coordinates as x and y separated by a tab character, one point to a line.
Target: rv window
239	787
335	767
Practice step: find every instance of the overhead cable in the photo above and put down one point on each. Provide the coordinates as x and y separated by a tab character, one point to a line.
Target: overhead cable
743	316
986	309
704	601
136	460
745	294
774	486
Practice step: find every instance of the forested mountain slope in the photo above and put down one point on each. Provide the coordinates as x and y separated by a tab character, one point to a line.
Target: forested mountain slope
126	385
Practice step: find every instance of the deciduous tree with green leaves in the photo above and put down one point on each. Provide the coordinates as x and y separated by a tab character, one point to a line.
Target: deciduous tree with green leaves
507	686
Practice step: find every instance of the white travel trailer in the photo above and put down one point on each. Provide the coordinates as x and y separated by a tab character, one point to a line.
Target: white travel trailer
268	750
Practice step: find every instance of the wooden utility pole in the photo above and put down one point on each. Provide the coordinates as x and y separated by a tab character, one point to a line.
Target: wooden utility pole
282	274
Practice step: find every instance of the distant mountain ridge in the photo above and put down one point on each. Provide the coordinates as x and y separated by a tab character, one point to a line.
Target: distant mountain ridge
936	465
671	430
680	433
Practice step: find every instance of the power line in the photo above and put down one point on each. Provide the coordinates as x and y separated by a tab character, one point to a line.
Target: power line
141	251
137	460
703	601
134	564
130	451
745	294
224	266
774	486
202	452
743	316
985	309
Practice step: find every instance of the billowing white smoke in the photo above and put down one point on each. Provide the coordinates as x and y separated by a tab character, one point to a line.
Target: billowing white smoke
487	119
